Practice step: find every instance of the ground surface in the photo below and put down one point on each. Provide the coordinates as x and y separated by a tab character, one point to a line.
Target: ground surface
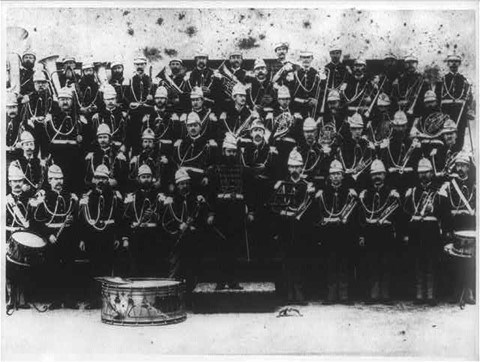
398	331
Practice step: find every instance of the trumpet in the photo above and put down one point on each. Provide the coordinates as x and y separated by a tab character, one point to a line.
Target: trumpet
349	207
360	167
50	65
417	94
389	209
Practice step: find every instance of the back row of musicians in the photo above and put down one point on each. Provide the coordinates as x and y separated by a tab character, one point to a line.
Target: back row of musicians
138	170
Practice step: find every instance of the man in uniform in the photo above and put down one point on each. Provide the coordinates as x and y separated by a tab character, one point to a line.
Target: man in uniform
208	118
65	130
334	217
26	72
461	191
231	206
14	128
163	121
379	125
336	71
401	155
140	227
105	153
67	77
35	108
336	114
234	69
261	169
183	218
355	154
305	89
139	103
99	218
153	156
89	97
119	83
316	157
285	127
357	91
112	116
54	212
456	96
17	219
172	78
260	95
407	89
379	210
290	201
390	73
429	221
195	153
206	79
281	70
443	154
31	166
236	118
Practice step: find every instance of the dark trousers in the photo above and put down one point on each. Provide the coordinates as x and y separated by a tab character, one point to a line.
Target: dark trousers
338	249
231	223
185	258
380	244
99	251
148	252
62	279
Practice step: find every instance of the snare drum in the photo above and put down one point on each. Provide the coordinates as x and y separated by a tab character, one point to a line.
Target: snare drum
464	243
26	249
139	302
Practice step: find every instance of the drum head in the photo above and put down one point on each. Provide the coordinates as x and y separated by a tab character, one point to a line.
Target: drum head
152	283
29	239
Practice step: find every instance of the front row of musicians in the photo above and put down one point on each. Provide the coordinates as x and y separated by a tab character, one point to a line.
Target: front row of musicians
162	233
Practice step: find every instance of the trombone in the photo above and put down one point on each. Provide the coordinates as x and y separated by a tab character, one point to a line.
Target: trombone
374	101
317	94
417	94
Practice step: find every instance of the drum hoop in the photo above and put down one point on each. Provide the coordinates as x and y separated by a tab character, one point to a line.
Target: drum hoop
17	262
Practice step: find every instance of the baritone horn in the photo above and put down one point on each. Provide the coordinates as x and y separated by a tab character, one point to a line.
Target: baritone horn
50	65
16	45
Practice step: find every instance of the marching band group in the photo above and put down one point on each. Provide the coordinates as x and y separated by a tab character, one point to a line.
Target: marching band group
284	157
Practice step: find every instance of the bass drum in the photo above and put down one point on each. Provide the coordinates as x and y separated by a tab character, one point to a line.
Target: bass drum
26	249
142	302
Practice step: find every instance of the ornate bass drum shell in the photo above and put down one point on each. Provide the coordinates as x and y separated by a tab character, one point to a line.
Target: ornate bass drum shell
26	249
142	301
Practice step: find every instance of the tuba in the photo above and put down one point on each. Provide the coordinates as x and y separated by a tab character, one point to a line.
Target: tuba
50	65
17	43
101	74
